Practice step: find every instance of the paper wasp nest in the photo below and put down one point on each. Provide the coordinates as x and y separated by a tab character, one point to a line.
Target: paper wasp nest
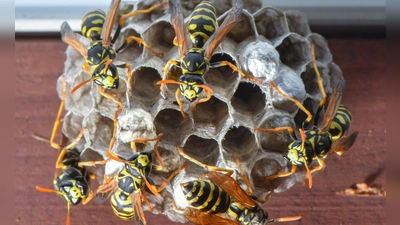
267	43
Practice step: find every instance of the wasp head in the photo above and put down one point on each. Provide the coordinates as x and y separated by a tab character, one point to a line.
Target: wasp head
189	86
107	76
298	153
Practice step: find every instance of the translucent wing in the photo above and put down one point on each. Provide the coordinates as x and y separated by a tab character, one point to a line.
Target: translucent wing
108	25
201	218
231	187
179	27
105	190
70	37
224	29
343	144
332	107
137	199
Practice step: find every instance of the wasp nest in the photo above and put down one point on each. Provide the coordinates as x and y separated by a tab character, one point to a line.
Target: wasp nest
267	43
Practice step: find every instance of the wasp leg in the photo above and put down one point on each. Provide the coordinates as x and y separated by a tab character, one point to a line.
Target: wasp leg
59	162
140	42
173	174
128	74
285	219
87	199
144	140
301	107
132	14
229	172
320	85
144	199
57	122
166	69
208	96
234	68
242	175
111	97
180	103
282	174
319	167
277	130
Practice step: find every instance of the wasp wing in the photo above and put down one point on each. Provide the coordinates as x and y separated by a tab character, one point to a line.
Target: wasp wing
179	27
201	218
223	30
343	144
70	37
137	201
109	22
105	190
230	186
333	105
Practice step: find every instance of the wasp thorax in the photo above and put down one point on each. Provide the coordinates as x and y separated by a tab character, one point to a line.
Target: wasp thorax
194	62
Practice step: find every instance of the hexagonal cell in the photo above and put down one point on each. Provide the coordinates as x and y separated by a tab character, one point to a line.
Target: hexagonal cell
210	116
311	105
135	124
275	141
240	140
267	166
244	28
248	100
170	158
297	23
336	75
98	133
89	154
144	86
222	79
71	126
322	53
173	125
130	52
294	52
310	78
106	106
271	23
260	59
159	36
201	149
290	84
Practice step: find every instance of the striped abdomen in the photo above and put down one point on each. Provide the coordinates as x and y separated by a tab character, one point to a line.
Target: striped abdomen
340	123
206	196
92	24
122	204
202	23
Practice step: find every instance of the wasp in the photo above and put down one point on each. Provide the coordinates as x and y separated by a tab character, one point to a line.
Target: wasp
195	61
100	54
221	200
71	179
125	189
318	142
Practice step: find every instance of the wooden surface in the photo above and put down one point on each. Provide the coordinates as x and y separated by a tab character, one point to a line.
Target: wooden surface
363	62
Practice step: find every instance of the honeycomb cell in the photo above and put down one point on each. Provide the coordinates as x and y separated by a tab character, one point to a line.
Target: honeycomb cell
248	100
210	117
107	107
71	126
260	59
244	28
266	165
294	52
135	124
89	154
309	78
240	140
144	86
160	37
174	127
297	23
311	105
133	50
322	53
271	23
291	84
98	133
271	141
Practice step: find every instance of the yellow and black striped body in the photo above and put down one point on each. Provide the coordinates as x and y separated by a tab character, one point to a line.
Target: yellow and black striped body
73	180
92	24
130	181
202	23
246	215
206	196
340	123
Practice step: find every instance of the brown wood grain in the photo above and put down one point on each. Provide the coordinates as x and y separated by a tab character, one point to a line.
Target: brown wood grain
40	61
